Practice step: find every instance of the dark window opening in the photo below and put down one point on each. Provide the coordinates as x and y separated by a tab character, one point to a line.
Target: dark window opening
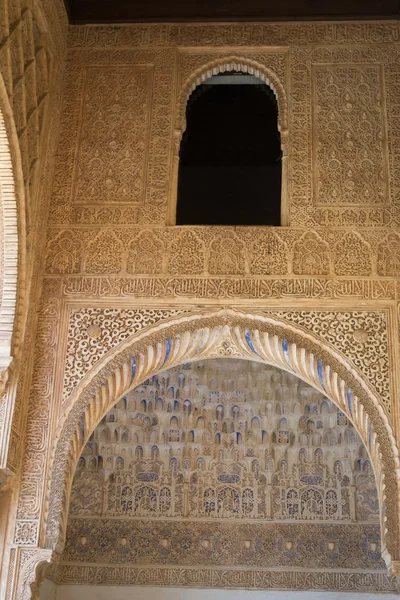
230	166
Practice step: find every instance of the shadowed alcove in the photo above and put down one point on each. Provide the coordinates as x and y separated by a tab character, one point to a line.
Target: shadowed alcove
230	168
225	463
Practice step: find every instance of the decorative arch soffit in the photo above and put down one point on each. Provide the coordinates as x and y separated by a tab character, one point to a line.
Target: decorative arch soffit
224	333
231	63
12	231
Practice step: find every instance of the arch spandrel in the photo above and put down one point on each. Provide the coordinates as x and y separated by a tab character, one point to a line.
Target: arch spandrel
233	334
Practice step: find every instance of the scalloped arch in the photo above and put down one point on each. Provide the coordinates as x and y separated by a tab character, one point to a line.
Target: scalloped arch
215	334
232	63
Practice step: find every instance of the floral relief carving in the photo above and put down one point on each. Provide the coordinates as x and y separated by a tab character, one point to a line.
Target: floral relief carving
268	256
114	134
369	352
186	254
104	254
112	326
389	256
64	253
311	256
125	124
188	250
145	254
226	255
226	544
352	255
349	134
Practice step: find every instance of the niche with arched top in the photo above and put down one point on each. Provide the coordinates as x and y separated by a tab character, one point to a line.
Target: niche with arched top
230	163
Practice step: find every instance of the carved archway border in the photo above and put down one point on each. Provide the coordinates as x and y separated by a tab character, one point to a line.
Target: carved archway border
232	63
13	230
209	335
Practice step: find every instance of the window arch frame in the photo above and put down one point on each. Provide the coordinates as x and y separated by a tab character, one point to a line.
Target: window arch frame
199	77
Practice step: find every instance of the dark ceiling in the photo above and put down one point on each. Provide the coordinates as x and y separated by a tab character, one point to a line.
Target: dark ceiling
117	11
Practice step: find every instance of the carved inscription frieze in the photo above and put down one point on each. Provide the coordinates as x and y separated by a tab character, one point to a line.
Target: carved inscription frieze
227	578
232	288
229	34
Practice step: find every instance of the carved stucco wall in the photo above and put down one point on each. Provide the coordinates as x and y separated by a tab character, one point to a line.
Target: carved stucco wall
333	274
32	51
33	38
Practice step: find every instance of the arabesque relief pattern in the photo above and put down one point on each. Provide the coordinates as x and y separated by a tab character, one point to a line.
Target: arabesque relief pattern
108	243
185	341
270	546
26	57
257	252
349	132
33	40
360	336
339	196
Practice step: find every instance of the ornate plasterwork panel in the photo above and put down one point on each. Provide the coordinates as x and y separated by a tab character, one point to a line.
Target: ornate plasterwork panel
92	332
185	544
210	251
277	344
114	135
123	128
314	68
361	336
303	58
349	135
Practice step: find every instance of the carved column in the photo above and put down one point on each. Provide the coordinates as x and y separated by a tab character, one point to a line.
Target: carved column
284	185
186	504
353	492
268	501
173	190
